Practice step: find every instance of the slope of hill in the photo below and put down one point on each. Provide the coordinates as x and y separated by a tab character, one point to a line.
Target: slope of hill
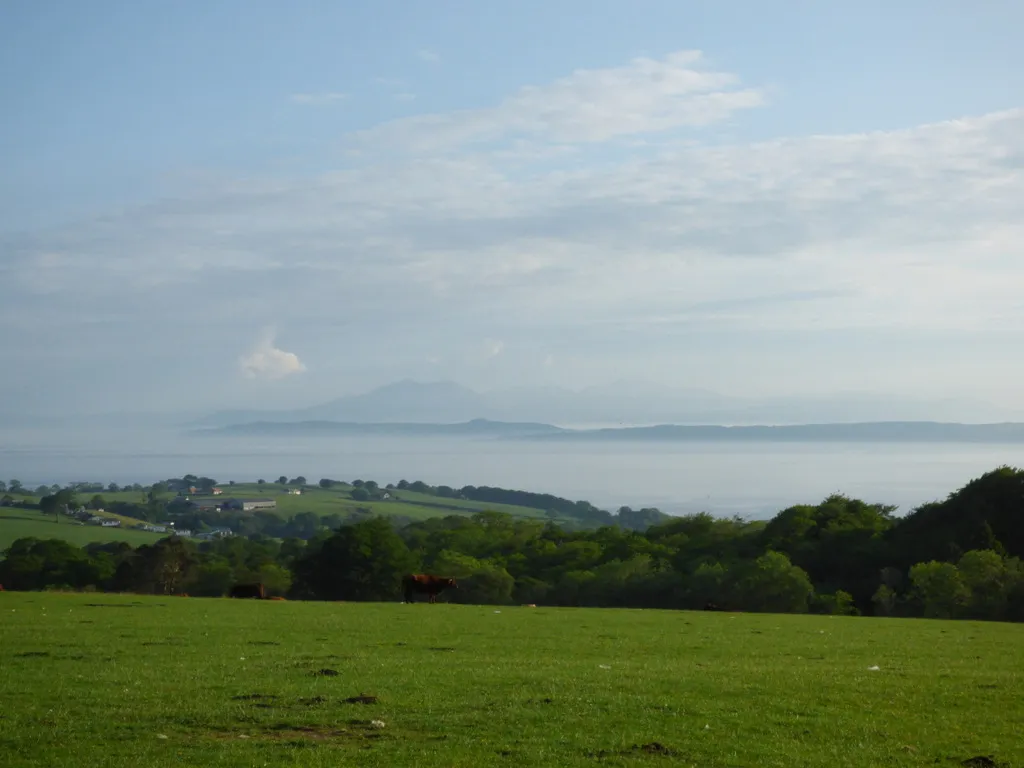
622	402
21	523
474	428
405	503
889	431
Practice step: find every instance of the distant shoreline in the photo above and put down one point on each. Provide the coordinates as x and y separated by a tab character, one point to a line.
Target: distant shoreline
855	432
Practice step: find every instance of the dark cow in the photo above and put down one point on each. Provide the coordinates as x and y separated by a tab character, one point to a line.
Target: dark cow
249	590
424	583
711	607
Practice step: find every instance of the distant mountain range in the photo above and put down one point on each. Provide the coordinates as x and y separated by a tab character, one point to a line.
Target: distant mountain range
623	403
891	431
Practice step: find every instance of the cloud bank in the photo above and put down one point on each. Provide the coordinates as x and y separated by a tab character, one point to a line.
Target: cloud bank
593	220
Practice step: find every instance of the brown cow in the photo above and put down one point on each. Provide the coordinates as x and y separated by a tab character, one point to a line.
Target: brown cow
424	583
249	590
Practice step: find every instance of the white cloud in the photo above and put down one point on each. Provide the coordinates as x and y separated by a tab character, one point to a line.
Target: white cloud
429	56
404	96
266	361
516	223
590	105
493	348
318	99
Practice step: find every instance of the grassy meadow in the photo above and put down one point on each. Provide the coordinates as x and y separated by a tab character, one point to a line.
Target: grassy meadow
121	680
325	501
19	523
16	523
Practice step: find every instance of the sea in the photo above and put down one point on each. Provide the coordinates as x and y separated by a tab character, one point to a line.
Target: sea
754	480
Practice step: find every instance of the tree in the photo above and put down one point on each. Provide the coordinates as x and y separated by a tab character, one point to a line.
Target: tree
984	573
707	585
884	600
15	486
282	480
838	604
161	568
304	525
55	503
113	488
97	502
480	581
642	519
299	481
939	589
774	585
325	483
211	579
365	561
3	487
359	494
261	481
275	579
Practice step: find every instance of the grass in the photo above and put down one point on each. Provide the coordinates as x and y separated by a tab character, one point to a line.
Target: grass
20	523
335	500
106	680
16	523
325	501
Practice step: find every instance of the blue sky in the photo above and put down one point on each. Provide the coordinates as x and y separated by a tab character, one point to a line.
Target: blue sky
315	198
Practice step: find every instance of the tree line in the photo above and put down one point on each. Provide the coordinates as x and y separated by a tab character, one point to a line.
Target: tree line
958	558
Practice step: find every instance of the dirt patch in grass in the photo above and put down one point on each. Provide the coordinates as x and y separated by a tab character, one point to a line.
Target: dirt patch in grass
441	648
253	697
983	761
363	698
32	655
313	701
653	749
263	642
325	672
355	732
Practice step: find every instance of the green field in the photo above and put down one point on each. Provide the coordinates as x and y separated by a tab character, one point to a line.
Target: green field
105	680
324	501
17	523
334	500
20	523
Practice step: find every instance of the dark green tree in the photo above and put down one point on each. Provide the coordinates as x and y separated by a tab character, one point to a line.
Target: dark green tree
365	561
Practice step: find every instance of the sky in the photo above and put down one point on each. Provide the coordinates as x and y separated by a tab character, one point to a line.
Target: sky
250	203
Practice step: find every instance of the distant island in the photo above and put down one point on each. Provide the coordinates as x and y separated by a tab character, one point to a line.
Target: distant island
880	431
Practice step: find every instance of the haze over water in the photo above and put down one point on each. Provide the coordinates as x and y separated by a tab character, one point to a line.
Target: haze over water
753	480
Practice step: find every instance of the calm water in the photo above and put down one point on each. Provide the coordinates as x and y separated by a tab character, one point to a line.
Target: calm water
755	479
